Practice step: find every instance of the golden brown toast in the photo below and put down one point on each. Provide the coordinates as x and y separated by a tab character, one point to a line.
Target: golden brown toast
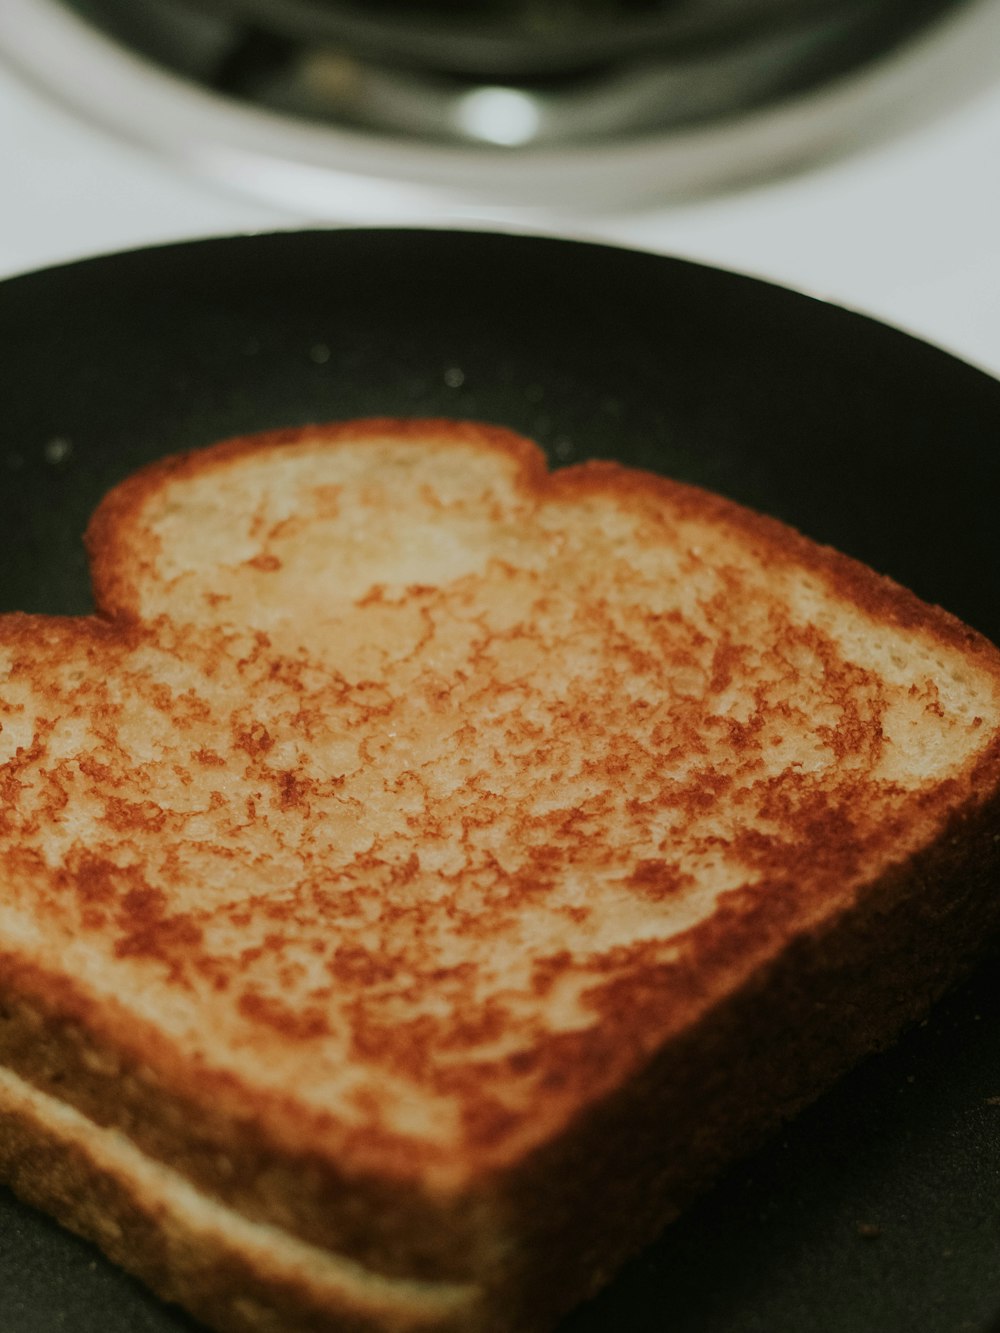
425	872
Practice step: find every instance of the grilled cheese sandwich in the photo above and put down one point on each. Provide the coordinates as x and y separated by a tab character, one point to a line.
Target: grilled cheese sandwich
425	871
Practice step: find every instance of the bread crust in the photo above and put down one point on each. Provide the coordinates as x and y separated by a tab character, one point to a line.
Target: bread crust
111	537
638	1114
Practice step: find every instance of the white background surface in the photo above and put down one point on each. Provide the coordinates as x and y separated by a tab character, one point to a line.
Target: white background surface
907	229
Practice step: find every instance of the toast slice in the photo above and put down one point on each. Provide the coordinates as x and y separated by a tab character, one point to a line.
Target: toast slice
425	872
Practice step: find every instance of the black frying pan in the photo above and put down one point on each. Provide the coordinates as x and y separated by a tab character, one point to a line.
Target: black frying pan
878	1211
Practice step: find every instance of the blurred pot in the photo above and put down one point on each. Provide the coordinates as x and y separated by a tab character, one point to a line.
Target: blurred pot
521	39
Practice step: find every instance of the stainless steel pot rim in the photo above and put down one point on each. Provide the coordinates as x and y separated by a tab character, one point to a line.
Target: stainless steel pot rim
329	172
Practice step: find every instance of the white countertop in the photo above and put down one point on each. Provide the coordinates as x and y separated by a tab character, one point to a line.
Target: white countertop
907	229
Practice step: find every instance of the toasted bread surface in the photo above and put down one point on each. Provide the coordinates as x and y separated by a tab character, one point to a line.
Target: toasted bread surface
405	808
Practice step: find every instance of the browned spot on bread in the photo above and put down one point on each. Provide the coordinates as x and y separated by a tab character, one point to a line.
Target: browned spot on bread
296	1024
658	879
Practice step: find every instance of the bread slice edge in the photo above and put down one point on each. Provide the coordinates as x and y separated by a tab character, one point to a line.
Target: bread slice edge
237	1274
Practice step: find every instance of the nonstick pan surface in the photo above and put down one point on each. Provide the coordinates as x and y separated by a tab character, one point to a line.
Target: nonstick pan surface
878	1210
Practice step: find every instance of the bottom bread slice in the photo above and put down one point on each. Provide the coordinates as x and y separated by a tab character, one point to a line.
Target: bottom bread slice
234	1273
